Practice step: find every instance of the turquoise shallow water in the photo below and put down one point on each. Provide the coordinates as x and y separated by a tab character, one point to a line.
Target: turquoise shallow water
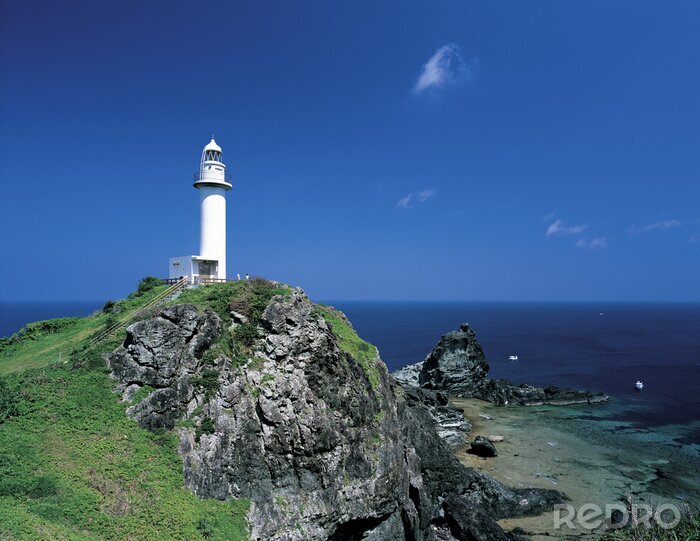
592	460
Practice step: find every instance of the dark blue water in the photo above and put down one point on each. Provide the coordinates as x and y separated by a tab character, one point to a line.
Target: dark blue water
15	315
569	345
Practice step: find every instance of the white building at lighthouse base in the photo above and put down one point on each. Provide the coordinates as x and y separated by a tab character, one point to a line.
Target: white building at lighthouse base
196	268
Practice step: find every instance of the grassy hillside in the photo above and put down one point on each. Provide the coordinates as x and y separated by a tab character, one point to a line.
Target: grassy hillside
40	343
73	465
348	340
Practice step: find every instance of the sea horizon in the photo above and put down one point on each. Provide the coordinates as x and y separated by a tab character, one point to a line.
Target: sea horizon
601	346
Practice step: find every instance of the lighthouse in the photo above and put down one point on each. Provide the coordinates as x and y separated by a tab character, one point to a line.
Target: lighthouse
212	182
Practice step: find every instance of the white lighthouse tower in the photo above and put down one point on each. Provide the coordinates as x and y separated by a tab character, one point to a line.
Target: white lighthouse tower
212	183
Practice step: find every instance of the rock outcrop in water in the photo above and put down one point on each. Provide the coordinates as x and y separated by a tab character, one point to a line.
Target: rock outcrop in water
325	445
457	366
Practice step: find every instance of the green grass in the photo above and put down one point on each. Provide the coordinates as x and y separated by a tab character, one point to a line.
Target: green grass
363	352
74	466
142	393
41	343
247	297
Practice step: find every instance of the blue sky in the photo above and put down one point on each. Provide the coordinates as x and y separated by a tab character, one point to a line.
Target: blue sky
379	150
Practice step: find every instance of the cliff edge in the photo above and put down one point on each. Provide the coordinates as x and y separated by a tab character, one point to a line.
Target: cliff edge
276	400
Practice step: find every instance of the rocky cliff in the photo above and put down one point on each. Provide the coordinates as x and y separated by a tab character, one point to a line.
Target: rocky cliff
457	366
285	406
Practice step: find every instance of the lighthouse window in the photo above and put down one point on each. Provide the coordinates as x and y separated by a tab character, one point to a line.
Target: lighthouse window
212	155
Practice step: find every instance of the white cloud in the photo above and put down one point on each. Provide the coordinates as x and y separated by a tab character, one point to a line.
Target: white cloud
593	244
446	66
407	201
694	238
560	229
656	226
425	195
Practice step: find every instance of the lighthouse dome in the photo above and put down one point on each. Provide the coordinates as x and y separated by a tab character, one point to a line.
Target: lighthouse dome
212	146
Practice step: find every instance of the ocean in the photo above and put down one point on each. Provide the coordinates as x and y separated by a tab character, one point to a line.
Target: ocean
598	346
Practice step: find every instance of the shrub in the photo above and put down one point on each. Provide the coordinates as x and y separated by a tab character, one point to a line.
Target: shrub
255	296
208	381
210	356
246	334
108	307
31	487
205	527
241	303
207	426
148	283
41	487
110	321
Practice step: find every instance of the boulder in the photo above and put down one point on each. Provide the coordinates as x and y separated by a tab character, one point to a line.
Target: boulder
458	367
482	447
457	364
163	353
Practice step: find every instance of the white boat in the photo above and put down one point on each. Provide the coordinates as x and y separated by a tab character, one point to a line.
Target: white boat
639	385
513	358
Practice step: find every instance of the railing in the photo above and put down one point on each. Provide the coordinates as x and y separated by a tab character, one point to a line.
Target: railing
206	280
198	176
173	281
198	279
179	284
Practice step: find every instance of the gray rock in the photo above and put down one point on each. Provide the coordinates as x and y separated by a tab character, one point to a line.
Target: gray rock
457	366
322	450
482	447
449	420
466	521
408	375
163	353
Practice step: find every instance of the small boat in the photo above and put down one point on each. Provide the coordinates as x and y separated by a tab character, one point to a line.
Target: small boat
639	385
513	358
